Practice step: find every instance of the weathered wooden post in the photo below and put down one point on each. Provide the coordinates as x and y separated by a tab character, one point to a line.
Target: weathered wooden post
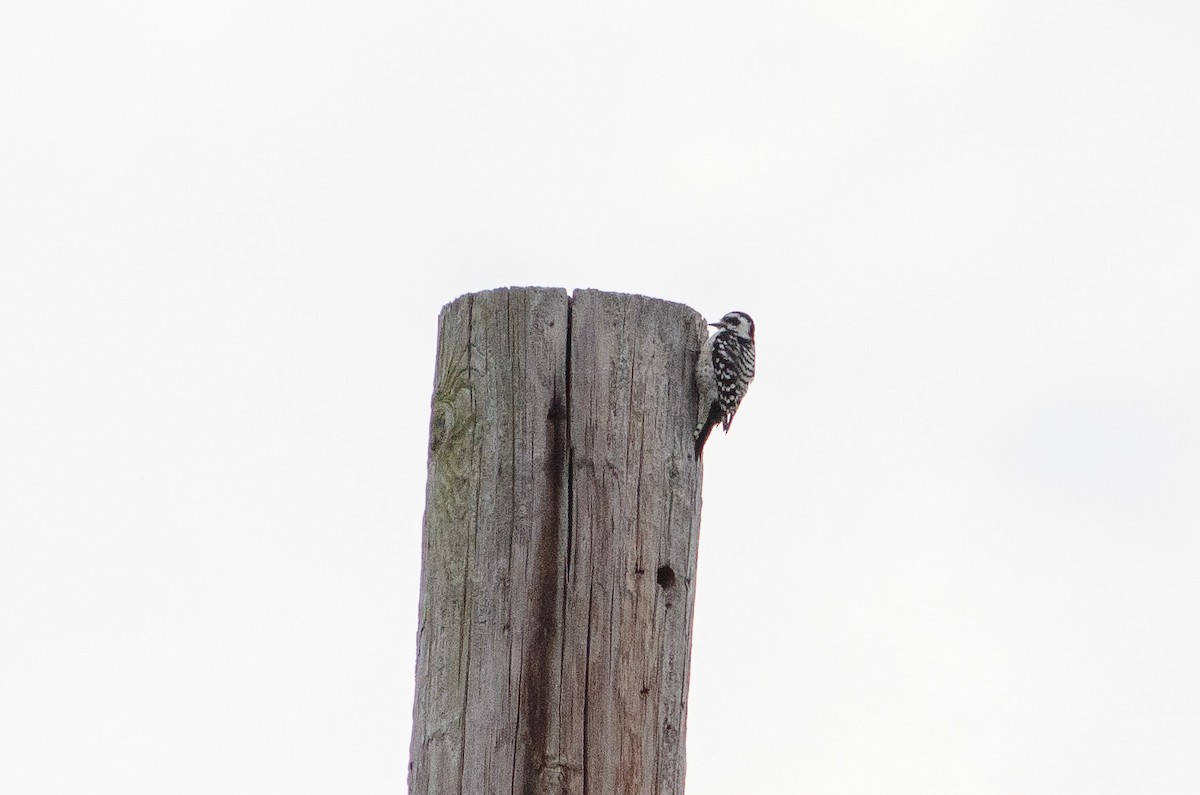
559	551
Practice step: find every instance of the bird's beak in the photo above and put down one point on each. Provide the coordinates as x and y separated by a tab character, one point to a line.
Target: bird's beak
714	324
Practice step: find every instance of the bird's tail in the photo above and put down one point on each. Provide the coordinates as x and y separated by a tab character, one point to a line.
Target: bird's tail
706	427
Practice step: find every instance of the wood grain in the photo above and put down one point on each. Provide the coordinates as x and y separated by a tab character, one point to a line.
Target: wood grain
559	547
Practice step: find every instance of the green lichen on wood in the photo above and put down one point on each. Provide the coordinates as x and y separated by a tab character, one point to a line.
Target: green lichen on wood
450	437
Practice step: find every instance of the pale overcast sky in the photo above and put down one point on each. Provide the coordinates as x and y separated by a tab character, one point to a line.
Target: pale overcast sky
952	544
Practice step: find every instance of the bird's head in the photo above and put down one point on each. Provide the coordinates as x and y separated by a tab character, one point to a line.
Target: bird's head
739	323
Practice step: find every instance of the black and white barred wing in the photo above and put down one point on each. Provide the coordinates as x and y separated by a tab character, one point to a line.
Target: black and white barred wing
733	369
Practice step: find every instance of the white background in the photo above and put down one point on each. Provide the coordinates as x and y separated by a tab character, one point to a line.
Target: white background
951	544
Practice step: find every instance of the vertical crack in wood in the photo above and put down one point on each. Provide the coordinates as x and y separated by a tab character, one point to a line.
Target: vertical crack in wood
465	625
570	496
516	734
587	690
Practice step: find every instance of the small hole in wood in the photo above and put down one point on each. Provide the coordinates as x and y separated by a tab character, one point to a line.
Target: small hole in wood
666	576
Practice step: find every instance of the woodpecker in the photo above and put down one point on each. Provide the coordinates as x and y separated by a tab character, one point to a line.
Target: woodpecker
723	374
